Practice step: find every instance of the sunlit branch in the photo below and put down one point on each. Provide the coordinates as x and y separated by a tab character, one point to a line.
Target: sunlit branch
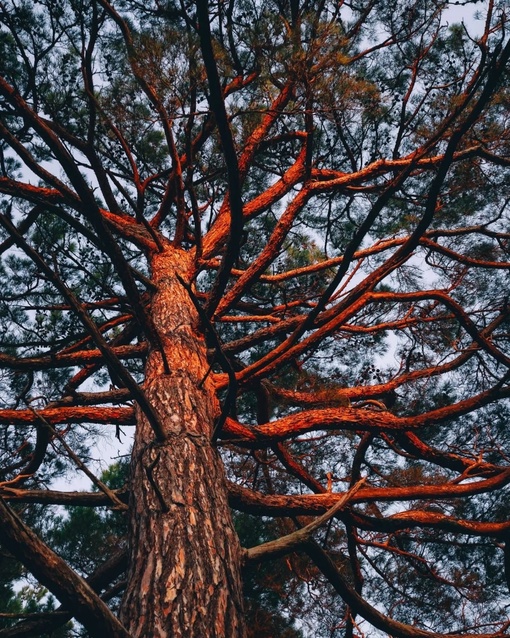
50	621
251	501
104	415
267	255
429	519
54	497
359	419
67	359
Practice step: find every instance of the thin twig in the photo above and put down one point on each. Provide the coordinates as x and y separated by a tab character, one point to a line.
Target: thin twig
118	504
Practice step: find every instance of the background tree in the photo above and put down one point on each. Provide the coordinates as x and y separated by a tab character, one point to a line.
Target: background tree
273	237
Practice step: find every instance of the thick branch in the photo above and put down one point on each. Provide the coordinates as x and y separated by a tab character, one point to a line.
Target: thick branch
102	576
364	609
227	140
253	502
105	415
355	419
58	577
51	497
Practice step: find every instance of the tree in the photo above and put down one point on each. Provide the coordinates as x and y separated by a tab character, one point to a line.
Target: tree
273	237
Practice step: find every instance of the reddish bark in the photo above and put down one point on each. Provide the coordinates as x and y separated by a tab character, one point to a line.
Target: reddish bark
185	556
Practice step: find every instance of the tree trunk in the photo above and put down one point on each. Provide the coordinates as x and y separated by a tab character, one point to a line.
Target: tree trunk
184	576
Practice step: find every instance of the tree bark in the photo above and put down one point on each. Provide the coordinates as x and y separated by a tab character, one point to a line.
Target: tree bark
185	557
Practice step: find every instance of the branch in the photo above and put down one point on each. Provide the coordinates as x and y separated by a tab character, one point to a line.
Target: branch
468	467
290	542
54	573
460	314
355	419
105	415
53	497
69	359
235	204
110	357
253	502
431	519
117	503
271	249
100	578
364	609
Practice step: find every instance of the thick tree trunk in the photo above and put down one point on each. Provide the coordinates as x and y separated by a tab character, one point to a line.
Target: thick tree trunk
184	576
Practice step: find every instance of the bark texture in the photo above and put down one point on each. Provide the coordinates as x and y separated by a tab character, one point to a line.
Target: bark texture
184	577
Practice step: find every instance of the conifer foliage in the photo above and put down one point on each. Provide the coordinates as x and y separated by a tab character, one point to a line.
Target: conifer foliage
272	241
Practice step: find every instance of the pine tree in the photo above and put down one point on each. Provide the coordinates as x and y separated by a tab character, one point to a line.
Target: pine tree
273	237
